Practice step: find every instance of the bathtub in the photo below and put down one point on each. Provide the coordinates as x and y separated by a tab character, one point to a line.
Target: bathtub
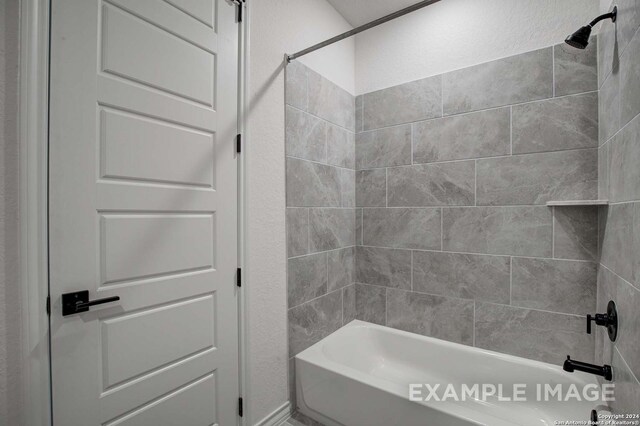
360	376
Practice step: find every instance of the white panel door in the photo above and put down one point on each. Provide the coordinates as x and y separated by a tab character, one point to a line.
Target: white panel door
143	206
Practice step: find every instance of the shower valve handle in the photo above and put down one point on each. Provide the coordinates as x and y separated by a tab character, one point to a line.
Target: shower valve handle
608	320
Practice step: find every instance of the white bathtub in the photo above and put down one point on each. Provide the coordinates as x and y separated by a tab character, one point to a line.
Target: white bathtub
360	376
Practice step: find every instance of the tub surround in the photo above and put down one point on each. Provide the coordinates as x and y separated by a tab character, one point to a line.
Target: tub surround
321	225
619	182
463	207
455	239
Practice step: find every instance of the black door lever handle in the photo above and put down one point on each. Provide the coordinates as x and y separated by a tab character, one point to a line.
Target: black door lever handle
78	301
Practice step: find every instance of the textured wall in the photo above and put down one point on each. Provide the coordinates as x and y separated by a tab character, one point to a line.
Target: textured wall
10	385
619	158
321	221
277	27
454	238
455	34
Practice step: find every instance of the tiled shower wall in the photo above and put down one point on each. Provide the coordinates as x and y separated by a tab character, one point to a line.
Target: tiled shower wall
320	182
447	233
454	238
619	158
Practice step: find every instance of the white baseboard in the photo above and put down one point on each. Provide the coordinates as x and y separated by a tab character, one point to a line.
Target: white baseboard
281	414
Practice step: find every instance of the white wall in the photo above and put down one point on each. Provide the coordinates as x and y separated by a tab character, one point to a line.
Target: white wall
454	34
10	379
277	27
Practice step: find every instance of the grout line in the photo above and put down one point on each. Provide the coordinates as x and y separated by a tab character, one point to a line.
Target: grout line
320	252
467	300
320	163
474	253
476	111
314	299
462	160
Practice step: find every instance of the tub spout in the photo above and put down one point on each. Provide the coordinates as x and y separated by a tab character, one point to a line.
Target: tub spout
604	370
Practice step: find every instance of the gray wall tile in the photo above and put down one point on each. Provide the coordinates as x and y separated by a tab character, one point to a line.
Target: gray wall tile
341	147
609	108
576	71
347	187
305	135
575	233
331	228
296	85
359	214
328	101
618	240
467	276
480	134
424	185
627	390
306	278
543	336
603	171
627	23
565	286
413	101
627	298
607	51
297	231
312	184
341	268
383	267
313	321
371	188
402	228
516	79
390	146
359	113
348	304
371	303
435	316
538	178
556	124
519	231
630	81
625	163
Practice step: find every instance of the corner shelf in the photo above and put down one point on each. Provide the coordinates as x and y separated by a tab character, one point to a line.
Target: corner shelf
576	203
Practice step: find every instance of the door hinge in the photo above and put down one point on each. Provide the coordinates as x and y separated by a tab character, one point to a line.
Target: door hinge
238	143
239	4
239	277
48	305
240	408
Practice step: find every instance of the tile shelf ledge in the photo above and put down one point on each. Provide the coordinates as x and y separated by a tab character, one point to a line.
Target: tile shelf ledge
578	203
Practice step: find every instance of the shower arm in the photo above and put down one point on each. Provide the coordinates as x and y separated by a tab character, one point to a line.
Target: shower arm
613	15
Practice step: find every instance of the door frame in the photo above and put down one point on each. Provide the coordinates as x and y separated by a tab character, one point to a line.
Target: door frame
33	127
34	251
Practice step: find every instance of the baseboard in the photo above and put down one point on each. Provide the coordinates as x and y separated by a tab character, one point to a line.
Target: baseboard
281	414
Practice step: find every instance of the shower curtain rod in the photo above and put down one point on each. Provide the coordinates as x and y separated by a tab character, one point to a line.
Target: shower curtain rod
361	28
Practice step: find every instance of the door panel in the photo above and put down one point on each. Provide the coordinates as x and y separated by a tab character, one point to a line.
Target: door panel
143	205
